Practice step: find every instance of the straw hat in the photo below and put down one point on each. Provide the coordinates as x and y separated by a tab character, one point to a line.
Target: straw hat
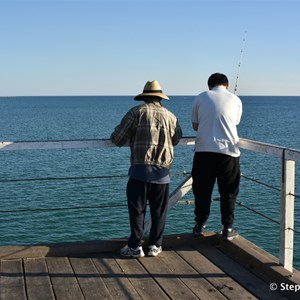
152	89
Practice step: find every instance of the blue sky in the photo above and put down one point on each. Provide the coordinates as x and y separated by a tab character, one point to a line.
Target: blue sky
113	47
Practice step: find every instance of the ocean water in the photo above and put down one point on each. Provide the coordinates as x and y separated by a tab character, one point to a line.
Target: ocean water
79	209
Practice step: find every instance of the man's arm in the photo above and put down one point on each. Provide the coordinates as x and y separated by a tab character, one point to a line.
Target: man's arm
123	131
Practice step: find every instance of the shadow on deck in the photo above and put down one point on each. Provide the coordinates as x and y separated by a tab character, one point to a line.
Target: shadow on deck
188	268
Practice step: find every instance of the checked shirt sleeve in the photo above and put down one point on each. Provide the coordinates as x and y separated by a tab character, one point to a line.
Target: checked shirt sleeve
124	131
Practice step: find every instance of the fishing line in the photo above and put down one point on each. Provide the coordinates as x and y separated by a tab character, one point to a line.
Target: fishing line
240	62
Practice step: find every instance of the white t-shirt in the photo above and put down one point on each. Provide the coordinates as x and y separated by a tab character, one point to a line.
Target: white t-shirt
217	113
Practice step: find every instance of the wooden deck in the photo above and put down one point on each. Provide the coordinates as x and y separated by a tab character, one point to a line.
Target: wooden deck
188	268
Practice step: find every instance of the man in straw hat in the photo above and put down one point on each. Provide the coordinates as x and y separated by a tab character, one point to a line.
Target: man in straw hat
152	131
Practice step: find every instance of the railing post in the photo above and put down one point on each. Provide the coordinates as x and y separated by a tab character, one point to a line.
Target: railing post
287	213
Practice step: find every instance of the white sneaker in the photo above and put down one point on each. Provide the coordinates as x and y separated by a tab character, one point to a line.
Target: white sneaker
132	252
154	251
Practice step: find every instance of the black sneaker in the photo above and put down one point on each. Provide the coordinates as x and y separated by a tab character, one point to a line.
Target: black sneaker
229	234
198	230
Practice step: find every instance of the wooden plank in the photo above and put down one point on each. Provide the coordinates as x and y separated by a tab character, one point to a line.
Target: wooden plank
61	249
90	281
12	280
192	279
168	280
114	278
12	252
37	279
251	282
220	280
142	281
64	283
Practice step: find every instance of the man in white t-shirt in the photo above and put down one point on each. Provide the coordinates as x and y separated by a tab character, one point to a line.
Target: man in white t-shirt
215	116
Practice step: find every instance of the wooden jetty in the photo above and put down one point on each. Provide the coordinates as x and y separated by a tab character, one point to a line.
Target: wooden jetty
188	268
287	156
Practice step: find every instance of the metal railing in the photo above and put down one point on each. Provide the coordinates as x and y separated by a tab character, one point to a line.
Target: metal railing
288	158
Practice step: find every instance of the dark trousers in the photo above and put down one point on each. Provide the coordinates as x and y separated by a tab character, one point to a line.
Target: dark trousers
207	168
138	193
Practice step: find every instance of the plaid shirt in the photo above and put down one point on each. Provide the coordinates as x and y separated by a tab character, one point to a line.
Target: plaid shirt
152	131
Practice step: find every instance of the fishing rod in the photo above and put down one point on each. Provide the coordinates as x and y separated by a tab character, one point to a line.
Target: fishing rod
240	62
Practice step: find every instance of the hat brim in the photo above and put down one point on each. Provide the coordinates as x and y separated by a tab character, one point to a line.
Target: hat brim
144	96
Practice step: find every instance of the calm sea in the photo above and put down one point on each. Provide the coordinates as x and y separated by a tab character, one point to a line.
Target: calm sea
95	208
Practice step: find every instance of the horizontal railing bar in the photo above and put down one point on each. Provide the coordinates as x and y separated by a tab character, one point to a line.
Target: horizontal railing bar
269	149
69	144
272	150
63	144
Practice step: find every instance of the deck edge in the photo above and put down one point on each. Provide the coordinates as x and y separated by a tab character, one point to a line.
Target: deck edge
253	257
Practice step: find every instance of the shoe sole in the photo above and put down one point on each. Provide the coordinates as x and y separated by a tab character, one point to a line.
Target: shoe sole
154	254
229	238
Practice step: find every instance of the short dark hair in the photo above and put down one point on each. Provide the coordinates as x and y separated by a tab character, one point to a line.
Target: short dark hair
217	79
